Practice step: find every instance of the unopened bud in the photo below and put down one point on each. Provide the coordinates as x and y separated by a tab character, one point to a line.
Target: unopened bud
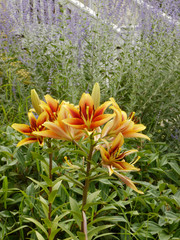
36	101
96	95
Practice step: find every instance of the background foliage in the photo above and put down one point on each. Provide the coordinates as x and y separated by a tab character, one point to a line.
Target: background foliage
142	75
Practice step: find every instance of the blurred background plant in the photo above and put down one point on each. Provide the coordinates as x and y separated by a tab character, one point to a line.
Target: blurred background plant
138	66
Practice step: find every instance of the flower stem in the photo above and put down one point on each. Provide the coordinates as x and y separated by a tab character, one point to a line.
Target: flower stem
87	180
50	187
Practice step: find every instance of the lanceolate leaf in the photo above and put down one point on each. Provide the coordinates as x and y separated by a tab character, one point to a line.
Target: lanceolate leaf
109	219
96	230
44	205
75	211
38	224
40	184
64	228
39	236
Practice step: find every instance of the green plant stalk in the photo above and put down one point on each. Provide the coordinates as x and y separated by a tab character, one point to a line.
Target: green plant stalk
50	188
87	180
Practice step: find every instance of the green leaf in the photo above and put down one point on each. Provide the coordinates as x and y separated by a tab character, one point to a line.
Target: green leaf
93	196
39	157
79	152
75	211
81	236
175	166
8	165
64	228
56	185
106	234
52	196
39	236
5	190
53	233
96	230
6	150
164	236
40	184
173	176
44	205
172	217
47	180
17	229
109	219
107	208
153	227
38	224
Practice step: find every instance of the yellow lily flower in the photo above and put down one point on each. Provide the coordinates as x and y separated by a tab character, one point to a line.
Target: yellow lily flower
122	124
58	129
35	125
113	158
86	116
51	106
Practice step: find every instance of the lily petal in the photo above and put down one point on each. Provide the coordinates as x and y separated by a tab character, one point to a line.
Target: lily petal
128	182
52	103
27	141
22	128
135	135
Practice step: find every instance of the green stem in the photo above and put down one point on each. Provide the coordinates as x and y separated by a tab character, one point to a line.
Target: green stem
50	187
87	180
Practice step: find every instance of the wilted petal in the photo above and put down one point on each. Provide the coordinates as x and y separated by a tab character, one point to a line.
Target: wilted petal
128	182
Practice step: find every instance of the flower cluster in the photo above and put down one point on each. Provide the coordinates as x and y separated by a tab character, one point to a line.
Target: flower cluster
67	122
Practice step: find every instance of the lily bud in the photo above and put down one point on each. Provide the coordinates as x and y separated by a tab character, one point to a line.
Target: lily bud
96	95
36	101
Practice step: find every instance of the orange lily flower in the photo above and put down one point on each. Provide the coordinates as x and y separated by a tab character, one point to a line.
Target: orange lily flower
58	129
35	125
113	158
51	106
122	124
86	116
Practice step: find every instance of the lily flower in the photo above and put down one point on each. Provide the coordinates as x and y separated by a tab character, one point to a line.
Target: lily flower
58	129
122	124
51	106
35	125
86	116
114	158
